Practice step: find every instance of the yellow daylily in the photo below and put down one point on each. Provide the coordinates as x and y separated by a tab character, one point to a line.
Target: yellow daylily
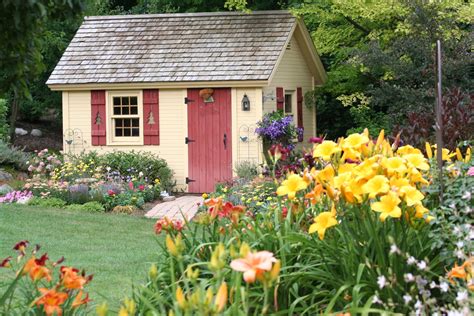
325	150
394	165
326	175
355	141
388	206
408	150
429	152
375	186
417	161
180	298
291	185
420	211
412	196
322	222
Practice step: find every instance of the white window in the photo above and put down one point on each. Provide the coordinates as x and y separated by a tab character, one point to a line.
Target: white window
290	102
126	122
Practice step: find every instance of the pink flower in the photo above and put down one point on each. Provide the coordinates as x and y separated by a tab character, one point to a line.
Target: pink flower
141	187
254	265
470	172
110	192
130	185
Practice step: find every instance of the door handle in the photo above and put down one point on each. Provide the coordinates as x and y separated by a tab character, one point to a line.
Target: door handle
225	141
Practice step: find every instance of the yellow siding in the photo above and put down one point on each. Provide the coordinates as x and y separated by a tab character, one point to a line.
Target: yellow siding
292	72
173	129
246	145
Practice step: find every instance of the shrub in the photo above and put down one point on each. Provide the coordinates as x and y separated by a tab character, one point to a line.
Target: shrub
47	202
133	165
3	120
94	207
13	156
246	169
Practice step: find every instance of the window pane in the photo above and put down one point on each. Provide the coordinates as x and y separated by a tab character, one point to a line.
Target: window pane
133	101
133	110
116	100
118	132
288	106
116	110
126	123
126	132
135	132
118	122
135	122
125	110
125	101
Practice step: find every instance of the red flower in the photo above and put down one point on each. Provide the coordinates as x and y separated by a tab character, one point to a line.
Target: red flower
284	211
279	150
21	246
5	262
130	185
111	193
141	187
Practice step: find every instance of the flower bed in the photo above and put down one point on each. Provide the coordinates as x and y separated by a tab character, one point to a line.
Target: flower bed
118	181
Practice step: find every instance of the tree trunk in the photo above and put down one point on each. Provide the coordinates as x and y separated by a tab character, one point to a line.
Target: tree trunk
13	116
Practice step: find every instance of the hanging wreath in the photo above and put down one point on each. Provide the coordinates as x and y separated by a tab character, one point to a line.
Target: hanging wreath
206	94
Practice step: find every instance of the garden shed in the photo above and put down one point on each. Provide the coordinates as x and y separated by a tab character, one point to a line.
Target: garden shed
188	87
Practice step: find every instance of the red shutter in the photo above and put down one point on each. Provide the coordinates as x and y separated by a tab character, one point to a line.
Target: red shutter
98	118
151	124
280	98
299	106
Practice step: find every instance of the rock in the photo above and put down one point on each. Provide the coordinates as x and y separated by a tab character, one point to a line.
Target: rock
5	176
5	188
20	131
36	132
169	198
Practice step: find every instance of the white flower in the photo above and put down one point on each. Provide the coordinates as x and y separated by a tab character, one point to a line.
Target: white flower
459	253
418	307
466	196
376	300
460	244
462	296
421	265
409	277
444	286
407	298
108	168
394	249
381	281
411	260
433	285
140	174
457	230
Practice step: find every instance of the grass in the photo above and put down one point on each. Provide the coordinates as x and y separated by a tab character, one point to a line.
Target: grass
117	249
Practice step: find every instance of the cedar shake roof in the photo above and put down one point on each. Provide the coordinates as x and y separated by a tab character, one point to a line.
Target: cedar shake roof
175	47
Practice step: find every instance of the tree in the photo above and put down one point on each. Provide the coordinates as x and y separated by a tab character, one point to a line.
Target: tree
21	25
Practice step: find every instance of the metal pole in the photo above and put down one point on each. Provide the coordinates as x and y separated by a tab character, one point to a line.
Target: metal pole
439	122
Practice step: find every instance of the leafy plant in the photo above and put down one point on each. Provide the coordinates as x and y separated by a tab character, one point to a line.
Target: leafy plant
47	202
246	170
13	156
94	207
3	120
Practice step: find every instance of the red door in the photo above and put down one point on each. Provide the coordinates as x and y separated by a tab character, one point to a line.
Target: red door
209	140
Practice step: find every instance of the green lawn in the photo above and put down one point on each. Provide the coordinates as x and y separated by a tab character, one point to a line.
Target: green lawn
117	249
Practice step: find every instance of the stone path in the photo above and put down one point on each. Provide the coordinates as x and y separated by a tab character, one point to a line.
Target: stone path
188	205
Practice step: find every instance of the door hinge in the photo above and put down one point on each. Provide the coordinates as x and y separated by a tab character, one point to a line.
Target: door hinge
187	100
187	140
189	180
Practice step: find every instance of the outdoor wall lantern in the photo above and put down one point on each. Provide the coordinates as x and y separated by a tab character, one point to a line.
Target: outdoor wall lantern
245	103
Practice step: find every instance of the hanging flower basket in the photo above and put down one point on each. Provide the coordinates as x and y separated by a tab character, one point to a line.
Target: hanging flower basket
206	93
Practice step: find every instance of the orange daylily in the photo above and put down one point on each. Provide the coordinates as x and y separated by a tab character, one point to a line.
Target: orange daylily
71	279
254	265
78	300
457	272
51	301
315	195
36	268
221	297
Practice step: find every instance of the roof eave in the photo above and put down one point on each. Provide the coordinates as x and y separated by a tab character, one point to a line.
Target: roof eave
158	85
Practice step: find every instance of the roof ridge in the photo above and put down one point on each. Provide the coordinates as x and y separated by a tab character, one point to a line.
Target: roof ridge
194	14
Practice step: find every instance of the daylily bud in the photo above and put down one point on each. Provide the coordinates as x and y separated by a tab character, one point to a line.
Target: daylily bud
180	298
381	138
429	152
275	270
170	245
221	297
102	309
130	305
244	249
192	274
209	296
153	273
467	158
